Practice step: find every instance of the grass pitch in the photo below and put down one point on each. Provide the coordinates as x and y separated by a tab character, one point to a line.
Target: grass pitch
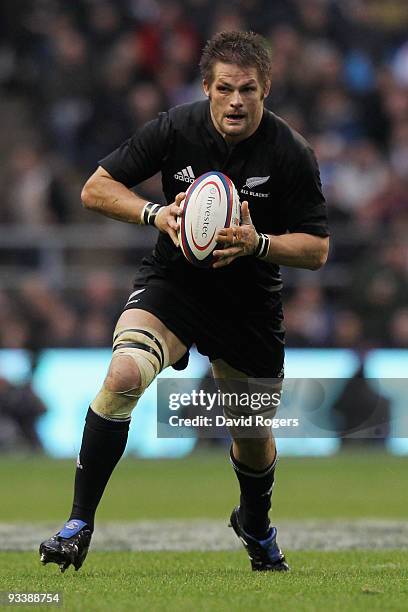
217	581
346	486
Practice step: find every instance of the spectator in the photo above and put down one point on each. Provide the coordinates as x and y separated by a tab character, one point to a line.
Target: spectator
33	182
308	317
20	409
77	78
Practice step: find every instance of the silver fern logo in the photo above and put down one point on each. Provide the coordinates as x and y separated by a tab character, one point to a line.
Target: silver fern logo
254	181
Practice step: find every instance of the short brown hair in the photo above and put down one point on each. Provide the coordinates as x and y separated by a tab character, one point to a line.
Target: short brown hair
241	48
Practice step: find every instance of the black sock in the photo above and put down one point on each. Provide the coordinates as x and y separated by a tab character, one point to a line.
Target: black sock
255	500
103	444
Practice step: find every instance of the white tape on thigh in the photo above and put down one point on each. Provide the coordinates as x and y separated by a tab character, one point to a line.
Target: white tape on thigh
150	353
146	347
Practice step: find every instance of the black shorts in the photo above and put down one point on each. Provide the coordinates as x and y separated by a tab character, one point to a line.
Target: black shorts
249	342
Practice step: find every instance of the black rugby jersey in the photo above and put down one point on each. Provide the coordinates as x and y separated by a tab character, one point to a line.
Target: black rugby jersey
274	169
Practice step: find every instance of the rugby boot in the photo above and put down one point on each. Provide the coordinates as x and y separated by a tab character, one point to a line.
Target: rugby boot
70	545
265	555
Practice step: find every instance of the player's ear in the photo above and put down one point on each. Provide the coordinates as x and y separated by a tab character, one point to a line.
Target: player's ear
206	88
267	88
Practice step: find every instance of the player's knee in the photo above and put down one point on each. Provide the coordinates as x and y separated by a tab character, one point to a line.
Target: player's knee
139	355
120	391
123	375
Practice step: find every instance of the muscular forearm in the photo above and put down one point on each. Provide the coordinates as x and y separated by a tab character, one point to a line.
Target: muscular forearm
103	194
298	250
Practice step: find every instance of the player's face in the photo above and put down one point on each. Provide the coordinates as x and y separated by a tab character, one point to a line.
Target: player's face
236	100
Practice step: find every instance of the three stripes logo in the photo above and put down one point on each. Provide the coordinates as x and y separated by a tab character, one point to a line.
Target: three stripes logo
186	175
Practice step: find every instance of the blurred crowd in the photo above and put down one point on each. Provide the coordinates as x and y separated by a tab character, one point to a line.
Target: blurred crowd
77	78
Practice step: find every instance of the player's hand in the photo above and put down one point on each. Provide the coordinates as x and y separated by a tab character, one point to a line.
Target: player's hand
237	241
167	219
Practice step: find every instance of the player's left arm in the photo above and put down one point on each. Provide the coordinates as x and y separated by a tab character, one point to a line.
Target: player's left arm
299	250
306	243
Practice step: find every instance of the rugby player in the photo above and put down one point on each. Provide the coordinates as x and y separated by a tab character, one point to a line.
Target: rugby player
232	312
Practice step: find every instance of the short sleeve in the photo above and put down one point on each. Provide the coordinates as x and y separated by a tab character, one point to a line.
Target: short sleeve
303	197
142	155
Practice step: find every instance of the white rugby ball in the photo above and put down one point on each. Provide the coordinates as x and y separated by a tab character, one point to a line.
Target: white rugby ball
211	203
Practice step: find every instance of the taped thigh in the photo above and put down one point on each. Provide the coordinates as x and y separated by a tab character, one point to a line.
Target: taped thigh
147	347
149	351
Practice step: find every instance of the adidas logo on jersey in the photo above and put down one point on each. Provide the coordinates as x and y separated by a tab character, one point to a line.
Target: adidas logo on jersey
186	175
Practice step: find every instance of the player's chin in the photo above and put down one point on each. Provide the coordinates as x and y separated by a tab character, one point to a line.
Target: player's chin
238	128
235	127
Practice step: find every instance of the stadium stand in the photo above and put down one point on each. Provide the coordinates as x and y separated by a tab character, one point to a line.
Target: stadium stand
78	78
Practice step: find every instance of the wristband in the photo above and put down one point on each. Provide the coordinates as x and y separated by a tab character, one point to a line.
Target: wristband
262	249
149	213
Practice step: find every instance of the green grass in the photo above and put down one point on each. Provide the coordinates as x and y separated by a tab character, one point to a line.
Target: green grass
348	485
219	582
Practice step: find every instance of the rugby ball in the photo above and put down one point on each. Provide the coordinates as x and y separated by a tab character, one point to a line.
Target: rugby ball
211	203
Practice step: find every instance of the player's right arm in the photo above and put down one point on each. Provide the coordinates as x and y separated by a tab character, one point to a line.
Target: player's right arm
103	194
111	198
108	191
